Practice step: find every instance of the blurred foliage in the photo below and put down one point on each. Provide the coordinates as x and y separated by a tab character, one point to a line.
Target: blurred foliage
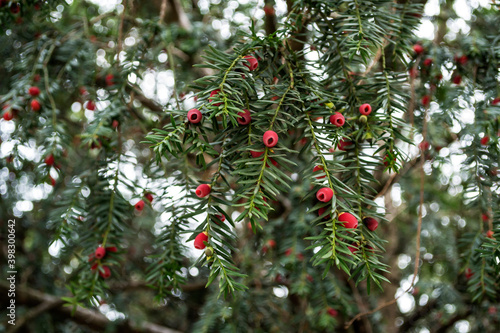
111	136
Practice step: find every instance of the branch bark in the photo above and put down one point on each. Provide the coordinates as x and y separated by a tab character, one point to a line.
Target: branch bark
44	302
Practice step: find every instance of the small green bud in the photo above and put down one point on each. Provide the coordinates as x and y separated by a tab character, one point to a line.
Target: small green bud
209	251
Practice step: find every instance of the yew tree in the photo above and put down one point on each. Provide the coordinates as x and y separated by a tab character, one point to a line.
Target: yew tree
251	166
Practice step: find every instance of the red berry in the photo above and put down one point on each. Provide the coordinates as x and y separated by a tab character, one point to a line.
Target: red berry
115	123
300	256
365	109
149	196
343	144
349	220
489	234
111	249
495	101
271	243
428	62
352	249
424	145
109	80
106	272
318	168
203	190
462	60
321	211
426	99
198	241
35	105
34	91
370	223
139	205
194	116
100	252
49	159
220	217
90	105
325	194
8	115
52	181
288	252
468	273
309	278
492	310
83	91
256	153
274	98
268	10
270	138
279	278
15	8
36	78
212	94
485	140
485	217
332	312
457	79
439	77
244	117
419	49
252	64
273	162
337	119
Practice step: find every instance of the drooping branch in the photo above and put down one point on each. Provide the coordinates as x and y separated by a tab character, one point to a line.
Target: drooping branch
44	302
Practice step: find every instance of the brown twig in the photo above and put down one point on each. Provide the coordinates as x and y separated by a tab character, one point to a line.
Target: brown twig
90	318
35	312
120	33
163	10
361	305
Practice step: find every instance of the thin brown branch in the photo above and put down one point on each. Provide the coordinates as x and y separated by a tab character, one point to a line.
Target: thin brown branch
120	33
90	318
270	19
35	312
163	10
361	304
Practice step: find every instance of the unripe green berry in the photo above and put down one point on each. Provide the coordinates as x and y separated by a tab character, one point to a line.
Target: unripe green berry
209	251
363	119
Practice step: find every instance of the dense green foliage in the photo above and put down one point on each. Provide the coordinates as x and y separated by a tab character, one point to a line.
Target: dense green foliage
103	155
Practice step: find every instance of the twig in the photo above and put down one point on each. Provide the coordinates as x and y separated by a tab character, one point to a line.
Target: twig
35	312
361	305
90	318
120	33
163	10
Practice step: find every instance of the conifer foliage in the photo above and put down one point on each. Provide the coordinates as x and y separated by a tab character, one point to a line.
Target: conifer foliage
283	174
